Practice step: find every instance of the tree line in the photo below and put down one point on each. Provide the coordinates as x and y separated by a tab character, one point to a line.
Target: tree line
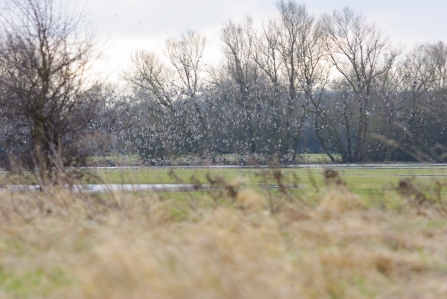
332	84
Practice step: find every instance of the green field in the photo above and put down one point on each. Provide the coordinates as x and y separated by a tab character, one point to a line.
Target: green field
372	183
377	183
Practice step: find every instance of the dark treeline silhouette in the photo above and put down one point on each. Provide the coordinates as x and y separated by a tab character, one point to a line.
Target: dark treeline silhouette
333	85
298	84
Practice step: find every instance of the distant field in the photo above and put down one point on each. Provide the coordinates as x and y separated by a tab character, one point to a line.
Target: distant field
115	160
370	182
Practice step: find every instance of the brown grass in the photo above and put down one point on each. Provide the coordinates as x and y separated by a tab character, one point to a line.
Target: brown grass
64	245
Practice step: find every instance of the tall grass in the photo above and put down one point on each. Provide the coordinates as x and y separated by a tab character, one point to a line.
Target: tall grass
231	241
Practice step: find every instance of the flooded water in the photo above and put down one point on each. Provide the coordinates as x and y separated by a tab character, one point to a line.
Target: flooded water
102	188
94	188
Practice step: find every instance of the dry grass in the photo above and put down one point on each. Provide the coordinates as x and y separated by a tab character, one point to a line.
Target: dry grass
64	245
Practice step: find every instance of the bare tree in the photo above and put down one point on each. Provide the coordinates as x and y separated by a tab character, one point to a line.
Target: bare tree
149	73
45	92
300	44
175	85
419	99
267	55
185	55
238	47
181	74
356	49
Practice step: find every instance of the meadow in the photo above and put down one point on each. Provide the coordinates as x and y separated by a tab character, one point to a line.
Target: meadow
345	233
370	182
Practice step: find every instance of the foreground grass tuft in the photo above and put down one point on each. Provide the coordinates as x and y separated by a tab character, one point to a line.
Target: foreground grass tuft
236	242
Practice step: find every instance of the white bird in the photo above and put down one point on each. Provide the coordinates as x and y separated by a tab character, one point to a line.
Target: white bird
368	113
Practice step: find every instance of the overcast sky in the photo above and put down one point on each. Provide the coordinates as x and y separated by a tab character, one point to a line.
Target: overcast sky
127	25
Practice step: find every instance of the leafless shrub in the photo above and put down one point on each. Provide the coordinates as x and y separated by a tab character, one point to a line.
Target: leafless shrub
46	98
